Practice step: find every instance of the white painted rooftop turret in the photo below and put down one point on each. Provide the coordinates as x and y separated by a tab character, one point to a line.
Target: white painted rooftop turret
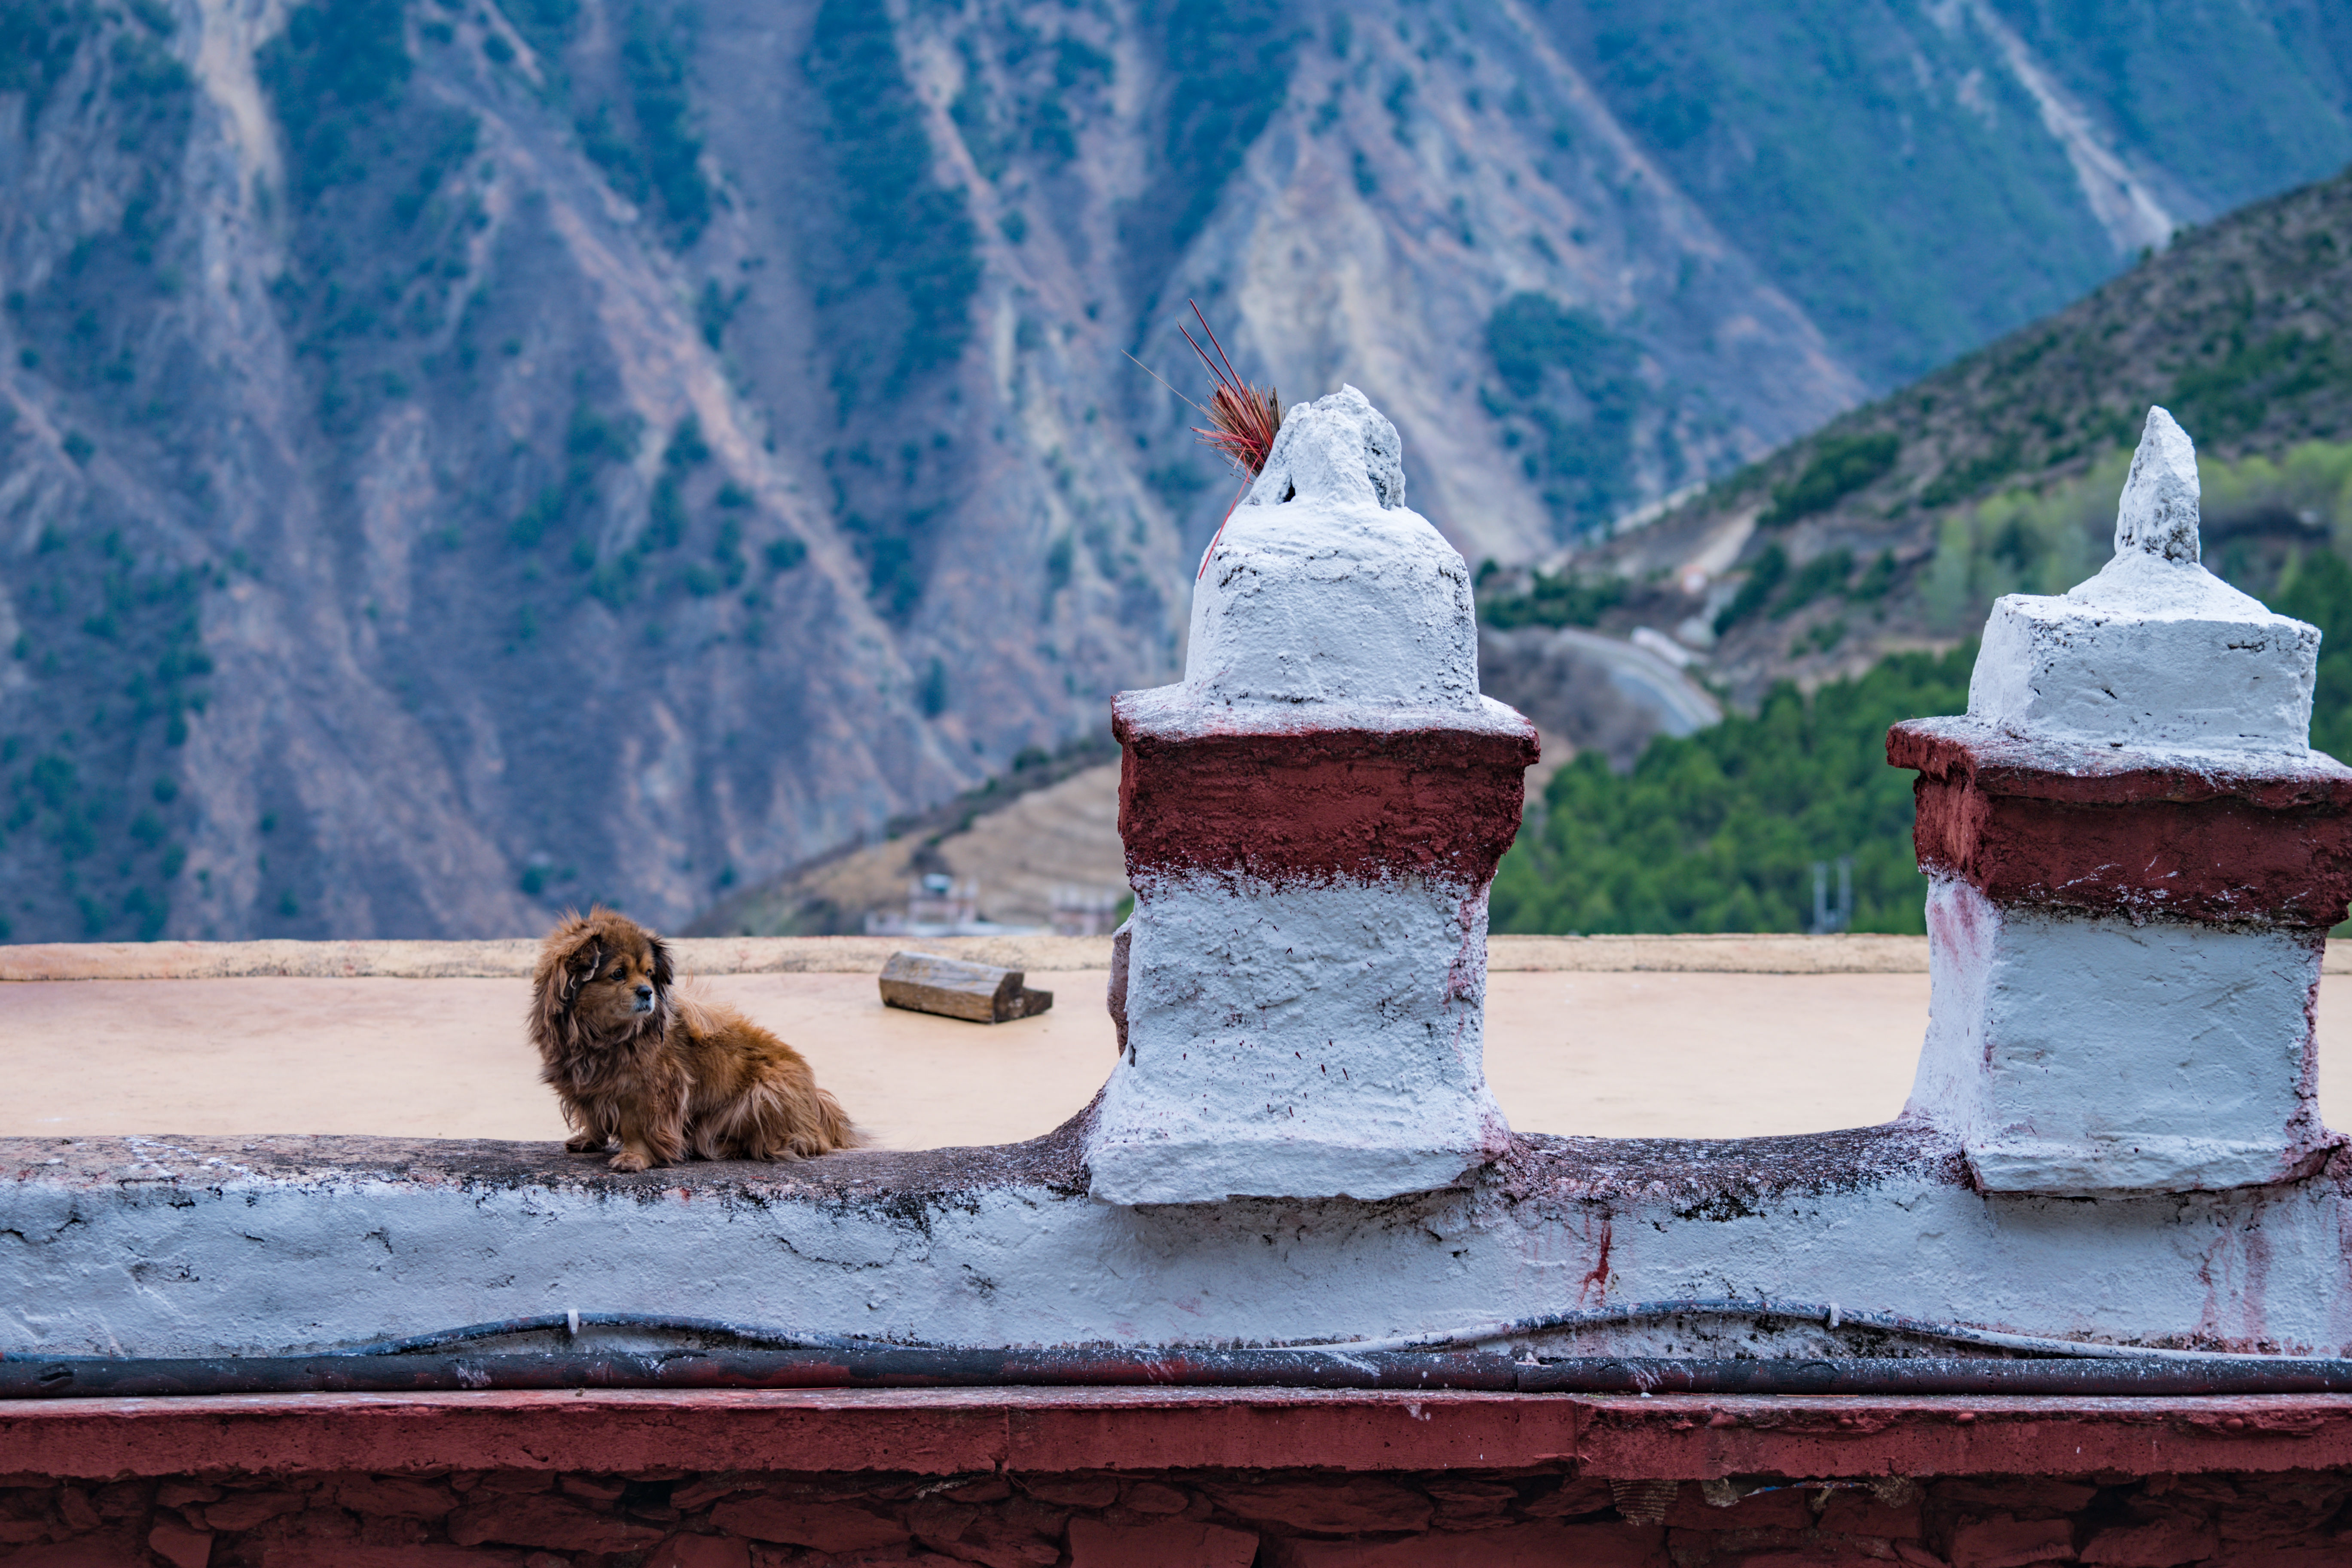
2155	652
2135	858
1311	820
1325	587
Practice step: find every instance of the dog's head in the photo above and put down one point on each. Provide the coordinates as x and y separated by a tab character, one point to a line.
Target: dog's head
602	978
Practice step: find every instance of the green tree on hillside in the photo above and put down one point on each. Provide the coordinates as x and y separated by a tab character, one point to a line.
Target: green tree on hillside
1718	831
2318	589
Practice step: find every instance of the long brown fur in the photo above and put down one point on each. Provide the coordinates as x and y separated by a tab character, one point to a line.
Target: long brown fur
664	1074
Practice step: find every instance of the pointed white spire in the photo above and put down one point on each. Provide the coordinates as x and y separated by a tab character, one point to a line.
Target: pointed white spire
2158	511
2154	652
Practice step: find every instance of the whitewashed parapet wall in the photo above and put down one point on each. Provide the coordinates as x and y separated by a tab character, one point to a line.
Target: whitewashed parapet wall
2136	856
1311	819
2112	1140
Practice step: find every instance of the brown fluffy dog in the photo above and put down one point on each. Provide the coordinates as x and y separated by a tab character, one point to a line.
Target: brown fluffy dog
665	1073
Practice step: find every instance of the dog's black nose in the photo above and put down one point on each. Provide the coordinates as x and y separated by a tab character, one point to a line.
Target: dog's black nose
645	993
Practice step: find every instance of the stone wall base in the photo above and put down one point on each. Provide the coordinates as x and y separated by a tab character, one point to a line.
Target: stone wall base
1171	1518
1145	1478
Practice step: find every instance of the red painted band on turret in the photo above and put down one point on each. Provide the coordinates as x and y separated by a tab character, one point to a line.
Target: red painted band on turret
1361	804
2201	845
2005	765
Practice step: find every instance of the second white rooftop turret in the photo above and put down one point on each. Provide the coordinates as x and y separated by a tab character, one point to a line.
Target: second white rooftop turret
2135	857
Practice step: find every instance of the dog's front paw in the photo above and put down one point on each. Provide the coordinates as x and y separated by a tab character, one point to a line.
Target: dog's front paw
586	1143
631	1160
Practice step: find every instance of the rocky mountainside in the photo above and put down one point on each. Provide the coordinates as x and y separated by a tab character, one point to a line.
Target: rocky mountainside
463	457
1896	526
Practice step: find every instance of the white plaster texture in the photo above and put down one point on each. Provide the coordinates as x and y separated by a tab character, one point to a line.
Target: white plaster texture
1324	589
1321	1039
2084	1056
2154	653
185	1253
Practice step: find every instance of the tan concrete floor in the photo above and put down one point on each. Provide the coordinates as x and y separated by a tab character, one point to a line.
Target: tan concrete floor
1618	1055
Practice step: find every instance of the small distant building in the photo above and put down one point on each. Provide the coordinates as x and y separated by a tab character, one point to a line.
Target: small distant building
939	905
1084	912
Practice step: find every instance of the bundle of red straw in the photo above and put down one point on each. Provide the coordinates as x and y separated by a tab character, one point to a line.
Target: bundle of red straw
1243	419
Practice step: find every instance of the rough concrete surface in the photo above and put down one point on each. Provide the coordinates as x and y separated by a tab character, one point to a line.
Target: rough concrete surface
1311	819
1639	1054
2083	1055
1324	587
193	1246
2162	1040
2097	830
1302	1041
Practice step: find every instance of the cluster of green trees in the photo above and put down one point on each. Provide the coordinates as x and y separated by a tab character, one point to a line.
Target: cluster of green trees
1719	831
96	615
1577	445
1841	466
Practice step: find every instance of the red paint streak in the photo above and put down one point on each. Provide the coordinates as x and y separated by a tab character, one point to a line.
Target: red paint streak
1466	977
2146	841
1351	802
2208	1329
1961	928
2253	1297
1598	1279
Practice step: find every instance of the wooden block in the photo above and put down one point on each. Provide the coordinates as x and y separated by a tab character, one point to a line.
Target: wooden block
952	988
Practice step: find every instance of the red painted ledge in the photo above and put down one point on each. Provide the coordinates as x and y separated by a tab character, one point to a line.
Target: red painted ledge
1044	1431
2071	829
1358	803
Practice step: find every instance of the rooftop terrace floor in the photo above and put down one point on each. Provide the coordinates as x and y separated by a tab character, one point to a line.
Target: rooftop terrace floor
1659	1052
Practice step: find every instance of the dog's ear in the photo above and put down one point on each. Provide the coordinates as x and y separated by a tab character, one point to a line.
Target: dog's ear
663	969
556	977
580	967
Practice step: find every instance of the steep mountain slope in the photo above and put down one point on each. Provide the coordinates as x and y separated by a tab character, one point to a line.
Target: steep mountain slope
1896	526
1916	176
457	459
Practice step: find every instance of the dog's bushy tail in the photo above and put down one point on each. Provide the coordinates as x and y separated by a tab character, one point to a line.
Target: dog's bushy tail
834	1124
793	1121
